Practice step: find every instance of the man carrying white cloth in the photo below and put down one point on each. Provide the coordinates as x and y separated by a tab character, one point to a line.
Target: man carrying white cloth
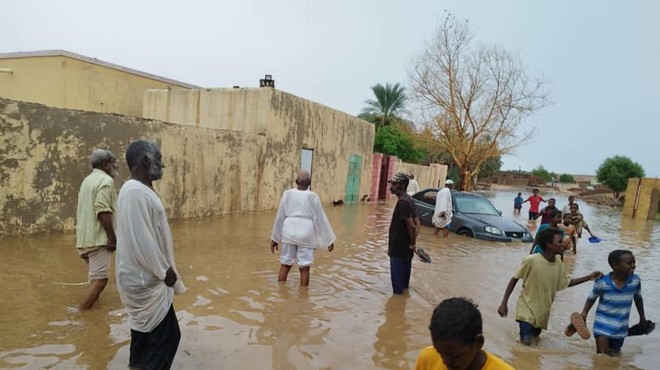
146	275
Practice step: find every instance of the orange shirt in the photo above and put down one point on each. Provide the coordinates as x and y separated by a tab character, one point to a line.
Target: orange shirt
429	359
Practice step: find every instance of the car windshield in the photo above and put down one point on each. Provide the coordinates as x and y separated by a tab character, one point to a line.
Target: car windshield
475	205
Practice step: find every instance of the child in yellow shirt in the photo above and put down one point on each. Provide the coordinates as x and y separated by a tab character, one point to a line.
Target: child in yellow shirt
456	332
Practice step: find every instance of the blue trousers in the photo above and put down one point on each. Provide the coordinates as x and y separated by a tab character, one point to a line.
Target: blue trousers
527	331
400	274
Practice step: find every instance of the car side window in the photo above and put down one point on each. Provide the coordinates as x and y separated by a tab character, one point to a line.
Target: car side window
427	197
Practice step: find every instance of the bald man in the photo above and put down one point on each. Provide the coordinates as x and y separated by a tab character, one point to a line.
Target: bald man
300	228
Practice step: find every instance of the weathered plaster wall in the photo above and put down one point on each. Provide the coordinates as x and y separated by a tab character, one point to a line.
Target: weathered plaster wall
64	82
289	123
642	198
44	157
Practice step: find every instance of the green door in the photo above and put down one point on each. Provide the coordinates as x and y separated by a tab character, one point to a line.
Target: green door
353	180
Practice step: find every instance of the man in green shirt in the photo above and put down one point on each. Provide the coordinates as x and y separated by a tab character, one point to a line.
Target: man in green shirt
95	232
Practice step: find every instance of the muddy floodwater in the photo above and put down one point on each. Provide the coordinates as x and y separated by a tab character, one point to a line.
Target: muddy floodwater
235	315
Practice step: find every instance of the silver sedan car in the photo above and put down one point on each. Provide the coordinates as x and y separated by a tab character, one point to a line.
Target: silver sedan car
474	216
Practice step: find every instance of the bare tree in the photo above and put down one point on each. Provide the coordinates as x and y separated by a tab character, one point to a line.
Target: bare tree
474	97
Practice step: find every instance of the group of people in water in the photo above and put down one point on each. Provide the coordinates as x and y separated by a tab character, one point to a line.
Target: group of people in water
456	325
135	220
543	275
147	277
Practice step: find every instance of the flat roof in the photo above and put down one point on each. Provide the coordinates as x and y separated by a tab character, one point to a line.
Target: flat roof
68	54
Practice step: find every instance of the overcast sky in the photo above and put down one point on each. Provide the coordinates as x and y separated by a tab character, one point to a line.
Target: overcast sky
601	57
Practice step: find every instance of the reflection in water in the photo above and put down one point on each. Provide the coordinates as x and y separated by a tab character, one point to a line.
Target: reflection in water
390	350
236	315
635	231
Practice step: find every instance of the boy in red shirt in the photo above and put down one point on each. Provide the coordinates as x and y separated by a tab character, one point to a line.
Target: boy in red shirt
534	202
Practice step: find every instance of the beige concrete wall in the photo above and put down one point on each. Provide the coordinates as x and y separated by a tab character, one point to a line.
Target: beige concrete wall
642	197
289	123
44	157
65	82
427	176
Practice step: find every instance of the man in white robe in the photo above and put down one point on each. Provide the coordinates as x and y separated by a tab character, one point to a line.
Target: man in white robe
147	278
443	210
300	227
413	185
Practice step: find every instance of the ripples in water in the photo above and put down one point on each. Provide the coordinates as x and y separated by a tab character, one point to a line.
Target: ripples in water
235	314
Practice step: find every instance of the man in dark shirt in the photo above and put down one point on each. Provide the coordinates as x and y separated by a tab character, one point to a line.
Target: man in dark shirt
403	233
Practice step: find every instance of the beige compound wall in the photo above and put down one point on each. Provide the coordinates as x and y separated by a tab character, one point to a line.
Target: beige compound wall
65	82
642	198
44	157
431	176
289	124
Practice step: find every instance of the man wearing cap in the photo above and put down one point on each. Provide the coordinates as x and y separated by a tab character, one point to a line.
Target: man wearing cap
402	234
443	209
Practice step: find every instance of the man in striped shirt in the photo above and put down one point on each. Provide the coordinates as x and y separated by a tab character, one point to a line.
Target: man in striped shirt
616	290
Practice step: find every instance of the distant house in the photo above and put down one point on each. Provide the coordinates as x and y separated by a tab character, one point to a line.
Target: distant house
62	79
513	178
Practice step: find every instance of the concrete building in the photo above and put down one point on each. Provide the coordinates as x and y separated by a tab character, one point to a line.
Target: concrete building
334	146
510	178
226	150
59	78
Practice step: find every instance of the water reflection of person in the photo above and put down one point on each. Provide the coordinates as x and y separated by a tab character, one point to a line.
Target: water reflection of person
94	342
638	230
288	324
391	344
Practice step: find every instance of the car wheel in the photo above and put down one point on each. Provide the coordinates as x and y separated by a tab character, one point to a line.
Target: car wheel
466	233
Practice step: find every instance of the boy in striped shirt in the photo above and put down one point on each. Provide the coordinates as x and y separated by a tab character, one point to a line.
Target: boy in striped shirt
616	290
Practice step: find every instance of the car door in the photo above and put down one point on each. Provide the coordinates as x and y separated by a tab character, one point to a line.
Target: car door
425	204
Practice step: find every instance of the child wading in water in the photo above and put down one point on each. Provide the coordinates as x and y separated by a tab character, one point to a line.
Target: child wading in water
534	201
543	275
616	291
555	219
570	233
517	203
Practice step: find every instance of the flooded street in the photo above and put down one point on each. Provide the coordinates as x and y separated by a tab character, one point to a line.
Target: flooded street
236	316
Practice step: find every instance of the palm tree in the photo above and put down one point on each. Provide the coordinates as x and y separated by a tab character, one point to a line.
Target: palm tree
389	104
